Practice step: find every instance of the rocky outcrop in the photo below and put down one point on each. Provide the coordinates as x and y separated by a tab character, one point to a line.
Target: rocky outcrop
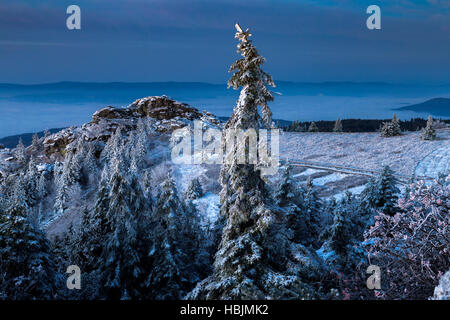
163	108
110	113
56	143
160	108
162	113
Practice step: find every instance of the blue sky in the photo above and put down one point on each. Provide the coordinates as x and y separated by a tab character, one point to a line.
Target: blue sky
168	40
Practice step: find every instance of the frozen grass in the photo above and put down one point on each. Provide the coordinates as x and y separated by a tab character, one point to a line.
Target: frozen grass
356	190
365	150
307	172
435	163
329	178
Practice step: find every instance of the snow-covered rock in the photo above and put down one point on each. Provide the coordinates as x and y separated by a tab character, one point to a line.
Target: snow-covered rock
164	115
44	167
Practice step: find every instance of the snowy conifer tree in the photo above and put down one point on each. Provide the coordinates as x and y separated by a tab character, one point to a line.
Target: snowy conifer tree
90	161
248	264
31	180
147	187
36	145
340	232
381	193
113	145
175	245
391	129
428	133
342	238
295	126
337	125
287	191
124	254
396	123
67	185
312	213
195	243
140	146
300	204
20	152
194	190
26	265
313	127
42	188
98	229
42	192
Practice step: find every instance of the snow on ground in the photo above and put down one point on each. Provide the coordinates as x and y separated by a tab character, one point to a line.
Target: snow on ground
186	173
208	206
435	163
355	191
329	178
364	150
307	172
406	154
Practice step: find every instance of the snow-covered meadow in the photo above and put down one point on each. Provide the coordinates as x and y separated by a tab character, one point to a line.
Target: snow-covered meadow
364	150
406	155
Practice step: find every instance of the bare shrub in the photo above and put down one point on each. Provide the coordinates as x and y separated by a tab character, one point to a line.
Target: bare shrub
413	247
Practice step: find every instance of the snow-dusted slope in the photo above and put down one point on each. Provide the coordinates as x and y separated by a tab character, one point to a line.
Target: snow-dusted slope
363	150
406	154
435	163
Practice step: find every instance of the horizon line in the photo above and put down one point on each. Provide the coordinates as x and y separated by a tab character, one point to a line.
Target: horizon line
223	83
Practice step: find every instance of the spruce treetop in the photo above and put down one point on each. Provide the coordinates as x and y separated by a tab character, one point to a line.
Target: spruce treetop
249	75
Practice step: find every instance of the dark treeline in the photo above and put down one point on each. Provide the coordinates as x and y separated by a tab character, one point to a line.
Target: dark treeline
357	125
27	138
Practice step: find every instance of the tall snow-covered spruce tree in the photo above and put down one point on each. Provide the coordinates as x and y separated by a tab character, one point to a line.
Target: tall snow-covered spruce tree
252	261
175	250
125	250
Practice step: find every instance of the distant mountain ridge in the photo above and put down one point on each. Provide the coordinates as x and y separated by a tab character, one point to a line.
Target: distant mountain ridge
436	106
57	102
129	90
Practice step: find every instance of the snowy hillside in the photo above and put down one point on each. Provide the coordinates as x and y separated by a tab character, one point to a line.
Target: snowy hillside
406	155
110	199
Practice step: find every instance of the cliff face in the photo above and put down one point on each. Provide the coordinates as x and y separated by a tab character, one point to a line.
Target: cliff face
163	114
